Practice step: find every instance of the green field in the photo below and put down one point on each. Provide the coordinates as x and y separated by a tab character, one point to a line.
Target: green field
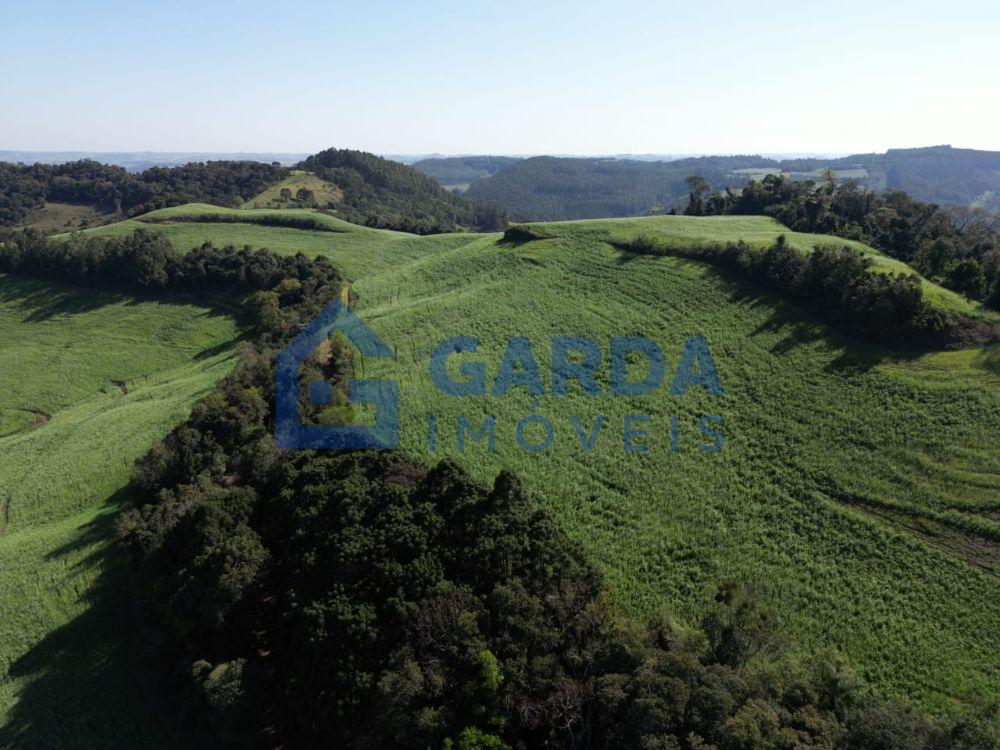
859	487
89	382
361	244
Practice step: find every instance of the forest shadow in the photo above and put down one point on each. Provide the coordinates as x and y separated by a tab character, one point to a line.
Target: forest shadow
88	684
799	326
40	300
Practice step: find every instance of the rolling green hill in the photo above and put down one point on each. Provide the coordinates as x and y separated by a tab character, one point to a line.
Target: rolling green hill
858	486
875	531
353	249
88	381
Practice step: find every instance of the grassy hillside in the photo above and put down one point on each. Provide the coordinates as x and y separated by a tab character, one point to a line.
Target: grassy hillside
353	248
88	381
860	489
759	231
66	217
857	486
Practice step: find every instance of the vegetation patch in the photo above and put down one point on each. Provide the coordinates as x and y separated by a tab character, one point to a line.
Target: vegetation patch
522	233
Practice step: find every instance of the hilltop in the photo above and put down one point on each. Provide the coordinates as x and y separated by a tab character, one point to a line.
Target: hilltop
383	193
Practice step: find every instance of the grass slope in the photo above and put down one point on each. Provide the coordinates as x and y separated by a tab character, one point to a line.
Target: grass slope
64	217
355	249
102	377
759	231
860	487
182	227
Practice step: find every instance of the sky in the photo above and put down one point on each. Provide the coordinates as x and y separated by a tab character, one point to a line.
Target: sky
630	76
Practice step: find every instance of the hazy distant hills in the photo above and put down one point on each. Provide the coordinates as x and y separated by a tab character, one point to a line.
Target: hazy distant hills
572	187
550	187
136	161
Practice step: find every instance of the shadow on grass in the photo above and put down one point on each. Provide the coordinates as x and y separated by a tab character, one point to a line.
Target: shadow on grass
40	300
87	683
798	326
44	300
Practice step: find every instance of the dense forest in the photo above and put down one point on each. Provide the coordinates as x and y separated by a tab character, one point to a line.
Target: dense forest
957	247
547	187
362	600
383	193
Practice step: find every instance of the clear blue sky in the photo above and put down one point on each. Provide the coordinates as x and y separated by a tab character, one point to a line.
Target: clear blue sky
510	77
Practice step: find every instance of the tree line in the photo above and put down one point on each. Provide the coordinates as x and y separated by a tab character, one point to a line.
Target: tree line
548	188
278	292
956	247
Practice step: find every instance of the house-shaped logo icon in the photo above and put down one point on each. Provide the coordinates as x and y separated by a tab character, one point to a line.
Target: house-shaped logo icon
290	432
